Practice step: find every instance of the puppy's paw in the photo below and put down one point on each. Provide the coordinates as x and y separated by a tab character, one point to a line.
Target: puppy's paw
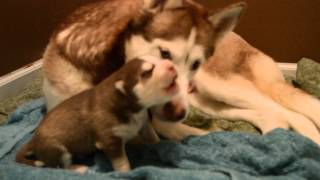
81	169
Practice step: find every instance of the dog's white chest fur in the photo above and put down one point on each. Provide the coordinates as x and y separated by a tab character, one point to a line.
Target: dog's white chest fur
131	129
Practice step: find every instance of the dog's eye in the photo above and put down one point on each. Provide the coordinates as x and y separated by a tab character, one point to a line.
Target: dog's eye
195	65
165	54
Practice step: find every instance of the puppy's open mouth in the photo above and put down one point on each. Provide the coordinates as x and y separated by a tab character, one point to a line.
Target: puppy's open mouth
173	86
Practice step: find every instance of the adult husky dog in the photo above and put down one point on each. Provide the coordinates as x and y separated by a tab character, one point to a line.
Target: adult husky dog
99	38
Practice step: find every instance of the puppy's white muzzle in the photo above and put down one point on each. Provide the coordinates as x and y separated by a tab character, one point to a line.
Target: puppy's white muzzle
170	75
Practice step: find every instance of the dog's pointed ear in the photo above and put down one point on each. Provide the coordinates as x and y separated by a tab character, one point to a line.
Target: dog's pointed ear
226	19
160	5
119	85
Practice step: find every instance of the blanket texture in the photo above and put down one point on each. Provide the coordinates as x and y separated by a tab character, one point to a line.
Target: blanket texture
308	76
278	155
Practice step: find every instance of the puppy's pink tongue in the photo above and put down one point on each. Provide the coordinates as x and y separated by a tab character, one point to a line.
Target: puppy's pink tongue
172	88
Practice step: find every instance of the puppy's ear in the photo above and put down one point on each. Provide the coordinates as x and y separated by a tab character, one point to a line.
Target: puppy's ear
226	19
160	5
119	85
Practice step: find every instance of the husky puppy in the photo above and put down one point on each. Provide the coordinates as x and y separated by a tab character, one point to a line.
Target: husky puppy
99	38
103	117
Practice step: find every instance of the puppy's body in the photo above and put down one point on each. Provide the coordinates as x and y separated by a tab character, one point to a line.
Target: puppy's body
104	117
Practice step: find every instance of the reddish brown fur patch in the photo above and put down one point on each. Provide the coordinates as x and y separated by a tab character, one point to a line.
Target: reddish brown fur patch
101	29
168	25
113	147
224	63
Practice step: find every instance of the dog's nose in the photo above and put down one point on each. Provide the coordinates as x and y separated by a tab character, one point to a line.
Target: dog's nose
192	87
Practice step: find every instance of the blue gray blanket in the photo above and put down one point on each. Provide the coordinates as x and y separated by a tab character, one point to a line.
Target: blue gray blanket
278	155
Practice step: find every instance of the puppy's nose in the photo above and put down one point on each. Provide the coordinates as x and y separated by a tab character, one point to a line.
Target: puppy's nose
170	67
173	71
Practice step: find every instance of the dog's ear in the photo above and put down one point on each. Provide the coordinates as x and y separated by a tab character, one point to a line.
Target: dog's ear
160	5
119	85
226	19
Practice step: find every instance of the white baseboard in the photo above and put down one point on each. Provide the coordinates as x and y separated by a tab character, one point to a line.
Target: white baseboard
12	83
288	68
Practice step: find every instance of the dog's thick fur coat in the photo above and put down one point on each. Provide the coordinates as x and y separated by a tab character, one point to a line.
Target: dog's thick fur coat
233	79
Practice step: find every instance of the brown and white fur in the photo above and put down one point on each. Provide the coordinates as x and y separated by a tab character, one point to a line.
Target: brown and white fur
104	117
230	84
99	38
241	83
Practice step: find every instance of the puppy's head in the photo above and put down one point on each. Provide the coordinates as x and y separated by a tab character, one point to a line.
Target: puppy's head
149	80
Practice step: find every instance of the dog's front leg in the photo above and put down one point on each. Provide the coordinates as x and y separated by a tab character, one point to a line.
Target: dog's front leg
167	120
175	130
114	148
248	103
121	163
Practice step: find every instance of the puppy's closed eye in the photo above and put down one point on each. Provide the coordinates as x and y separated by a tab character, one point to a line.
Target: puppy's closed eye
147	73
119	85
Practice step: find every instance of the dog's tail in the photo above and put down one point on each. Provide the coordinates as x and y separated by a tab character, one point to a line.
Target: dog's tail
26	156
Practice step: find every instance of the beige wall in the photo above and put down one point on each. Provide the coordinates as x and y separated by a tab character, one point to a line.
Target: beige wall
285	29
